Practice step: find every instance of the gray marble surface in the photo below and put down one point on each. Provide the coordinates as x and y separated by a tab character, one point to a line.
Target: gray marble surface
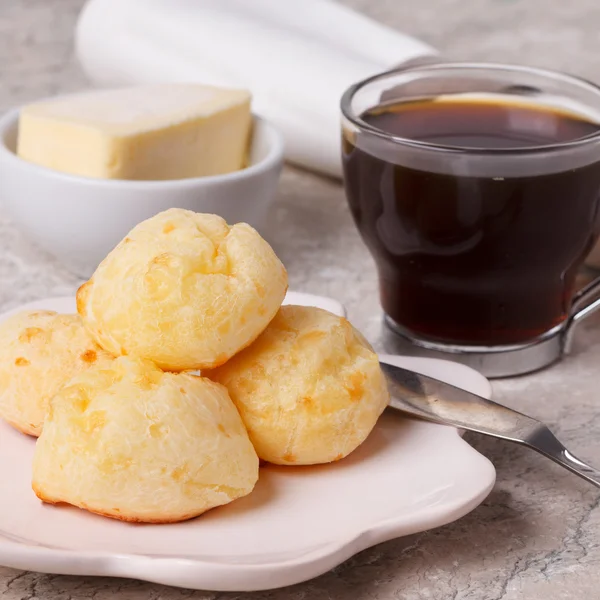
536	536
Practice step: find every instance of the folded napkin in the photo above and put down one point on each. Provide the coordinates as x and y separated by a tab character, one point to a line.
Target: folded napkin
296	56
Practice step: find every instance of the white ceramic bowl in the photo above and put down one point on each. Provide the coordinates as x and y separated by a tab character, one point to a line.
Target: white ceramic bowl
80	219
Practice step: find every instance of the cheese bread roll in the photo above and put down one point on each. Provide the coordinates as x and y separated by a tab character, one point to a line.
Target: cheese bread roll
184	290
39	352
309	389
127	441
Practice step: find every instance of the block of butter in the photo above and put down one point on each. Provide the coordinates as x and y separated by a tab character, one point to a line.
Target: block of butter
170	131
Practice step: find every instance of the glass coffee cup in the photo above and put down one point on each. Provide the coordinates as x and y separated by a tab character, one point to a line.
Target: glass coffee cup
476	188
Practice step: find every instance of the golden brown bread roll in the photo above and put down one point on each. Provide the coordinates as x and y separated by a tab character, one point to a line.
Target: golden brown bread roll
309	389
125	440
184	290
39	352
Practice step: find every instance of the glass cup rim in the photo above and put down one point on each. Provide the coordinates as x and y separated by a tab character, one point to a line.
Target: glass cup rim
359	123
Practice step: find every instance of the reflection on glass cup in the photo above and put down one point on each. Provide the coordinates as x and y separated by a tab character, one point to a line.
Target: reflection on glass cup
476	188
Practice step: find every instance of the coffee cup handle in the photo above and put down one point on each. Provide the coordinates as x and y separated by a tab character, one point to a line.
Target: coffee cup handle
585	303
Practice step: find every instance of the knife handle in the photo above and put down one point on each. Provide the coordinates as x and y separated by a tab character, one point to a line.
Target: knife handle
545	442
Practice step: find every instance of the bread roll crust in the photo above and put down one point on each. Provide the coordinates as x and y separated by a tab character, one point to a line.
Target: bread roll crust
39	352
184	290
309	389
127	441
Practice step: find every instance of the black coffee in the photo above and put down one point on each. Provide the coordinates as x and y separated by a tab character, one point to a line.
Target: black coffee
471	258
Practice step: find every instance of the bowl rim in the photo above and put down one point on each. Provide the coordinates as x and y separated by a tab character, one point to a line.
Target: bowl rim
273	159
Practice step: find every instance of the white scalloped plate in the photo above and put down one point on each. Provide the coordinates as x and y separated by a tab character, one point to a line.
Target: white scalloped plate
408	476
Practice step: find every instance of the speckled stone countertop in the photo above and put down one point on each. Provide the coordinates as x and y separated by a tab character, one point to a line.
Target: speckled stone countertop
537	535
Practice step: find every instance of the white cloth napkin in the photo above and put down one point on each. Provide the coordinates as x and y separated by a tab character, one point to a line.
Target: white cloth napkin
296	56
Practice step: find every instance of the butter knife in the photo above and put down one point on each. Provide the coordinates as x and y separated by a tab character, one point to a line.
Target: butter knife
428	398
